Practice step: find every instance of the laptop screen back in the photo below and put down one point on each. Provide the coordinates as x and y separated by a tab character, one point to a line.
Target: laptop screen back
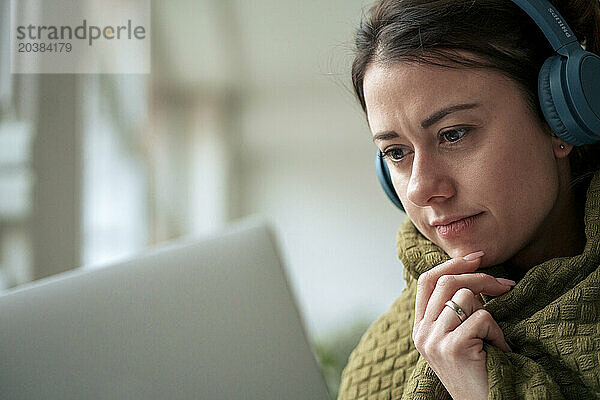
211	319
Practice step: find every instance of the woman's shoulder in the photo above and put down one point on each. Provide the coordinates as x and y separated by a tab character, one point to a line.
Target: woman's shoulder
385	355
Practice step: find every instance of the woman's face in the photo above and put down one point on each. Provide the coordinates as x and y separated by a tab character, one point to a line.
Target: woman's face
469	160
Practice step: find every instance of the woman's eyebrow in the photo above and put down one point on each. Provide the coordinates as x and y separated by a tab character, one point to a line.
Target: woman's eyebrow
386	135
427	122
438	115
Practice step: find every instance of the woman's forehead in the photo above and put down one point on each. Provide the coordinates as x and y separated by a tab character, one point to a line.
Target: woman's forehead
410	80
413	90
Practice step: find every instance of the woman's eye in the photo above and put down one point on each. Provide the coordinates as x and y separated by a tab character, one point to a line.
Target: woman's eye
454	135
395	154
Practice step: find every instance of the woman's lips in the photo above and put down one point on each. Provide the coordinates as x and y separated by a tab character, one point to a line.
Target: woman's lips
457	227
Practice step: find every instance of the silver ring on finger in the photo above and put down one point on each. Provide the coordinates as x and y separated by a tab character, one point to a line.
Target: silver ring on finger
457	309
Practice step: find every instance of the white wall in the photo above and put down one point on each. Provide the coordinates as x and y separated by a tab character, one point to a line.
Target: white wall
309	165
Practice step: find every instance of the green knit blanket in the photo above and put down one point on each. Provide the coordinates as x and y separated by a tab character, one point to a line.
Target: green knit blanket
550	319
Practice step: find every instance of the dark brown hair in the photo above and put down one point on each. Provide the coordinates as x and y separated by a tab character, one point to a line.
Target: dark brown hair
492	34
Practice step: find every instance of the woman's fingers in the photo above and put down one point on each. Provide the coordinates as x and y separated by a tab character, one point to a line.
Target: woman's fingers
428	280
448	319
448	285
482	325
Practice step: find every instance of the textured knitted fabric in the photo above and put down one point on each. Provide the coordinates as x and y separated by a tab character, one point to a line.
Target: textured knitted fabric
550	319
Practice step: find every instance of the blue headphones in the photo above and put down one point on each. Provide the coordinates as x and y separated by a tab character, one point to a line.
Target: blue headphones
568	87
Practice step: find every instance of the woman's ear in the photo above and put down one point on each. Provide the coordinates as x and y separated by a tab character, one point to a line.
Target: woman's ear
561	149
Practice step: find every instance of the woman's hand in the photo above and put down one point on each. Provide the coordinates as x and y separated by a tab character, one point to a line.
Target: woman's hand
452	344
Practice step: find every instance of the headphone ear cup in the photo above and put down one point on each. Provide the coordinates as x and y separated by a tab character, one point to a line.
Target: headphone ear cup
385	179
568	90
546	99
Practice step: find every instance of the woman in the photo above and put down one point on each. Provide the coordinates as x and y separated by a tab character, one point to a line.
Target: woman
502	245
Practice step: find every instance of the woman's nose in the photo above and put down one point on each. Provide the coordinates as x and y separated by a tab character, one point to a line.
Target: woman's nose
430	181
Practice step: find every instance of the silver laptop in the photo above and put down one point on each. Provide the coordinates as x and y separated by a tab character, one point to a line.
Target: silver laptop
212	319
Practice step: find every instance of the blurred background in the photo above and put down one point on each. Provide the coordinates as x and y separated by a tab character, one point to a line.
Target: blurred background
248	110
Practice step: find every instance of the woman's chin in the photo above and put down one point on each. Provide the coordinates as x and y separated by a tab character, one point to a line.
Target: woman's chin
461	251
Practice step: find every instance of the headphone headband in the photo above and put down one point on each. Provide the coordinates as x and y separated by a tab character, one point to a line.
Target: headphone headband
552	24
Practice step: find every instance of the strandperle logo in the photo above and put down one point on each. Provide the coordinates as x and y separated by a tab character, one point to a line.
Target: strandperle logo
80	36
84	31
